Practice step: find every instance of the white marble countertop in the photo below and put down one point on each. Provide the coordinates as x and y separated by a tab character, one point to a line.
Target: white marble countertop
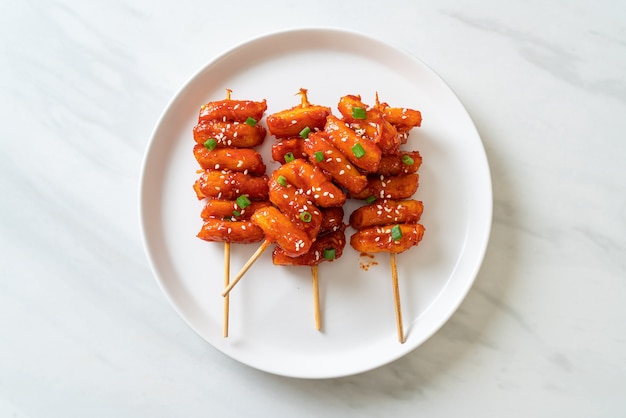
86	331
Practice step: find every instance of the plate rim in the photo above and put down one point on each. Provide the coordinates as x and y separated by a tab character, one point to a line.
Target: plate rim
487	190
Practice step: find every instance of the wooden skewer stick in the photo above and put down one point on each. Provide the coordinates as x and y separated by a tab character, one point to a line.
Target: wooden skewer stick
396	297
316	297
226	268
246	266
226	283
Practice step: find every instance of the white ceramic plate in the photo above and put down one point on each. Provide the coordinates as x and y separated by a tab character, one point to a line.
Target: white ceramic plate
271	308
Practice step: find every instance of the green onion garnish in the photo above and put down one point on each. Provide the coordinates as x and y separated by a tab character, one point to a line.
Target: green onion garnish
358	150
304	134
210	144
319	156
282	180
243	201
396	233
306	217
370	199
329	254
236	213
251	121
359	113
406	159
289	157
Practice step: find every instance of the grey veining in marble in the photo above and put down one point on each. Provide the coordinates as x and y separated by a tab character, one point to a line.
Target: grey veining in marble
85	329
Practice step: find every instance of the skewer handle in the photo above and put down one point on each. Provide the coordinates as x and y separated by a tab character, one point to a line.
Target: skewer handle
396	297
226	283
316	297
246	266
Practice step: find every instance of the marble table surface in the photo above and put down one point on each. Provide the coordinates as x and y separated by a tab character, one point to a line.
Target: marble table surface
85	330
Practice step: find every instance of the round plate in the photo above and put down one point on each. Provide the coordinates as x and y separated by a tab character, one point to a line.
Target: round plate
271	308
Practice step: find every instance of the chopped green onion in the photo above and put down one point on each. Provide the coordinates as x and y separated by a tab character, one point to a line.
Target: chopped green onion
406	159
358	150
304	134
236	213
243	201
319	156
251	121
282	180
359	113
289	157
329	254
306	217
396	233
370	199
210	144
